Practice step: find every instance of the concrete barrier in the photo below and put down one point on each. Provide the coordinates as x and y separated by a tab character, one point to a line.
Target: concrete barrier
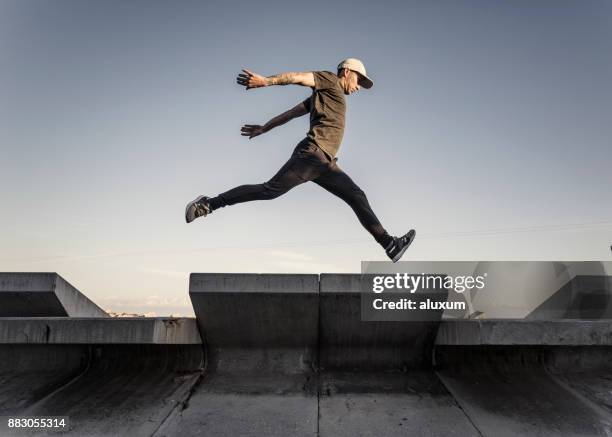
380	378
109	376
257	322
296	322
522	377
260	333
376	377
525	332
61	330
43	295
290	355
348	343
297	345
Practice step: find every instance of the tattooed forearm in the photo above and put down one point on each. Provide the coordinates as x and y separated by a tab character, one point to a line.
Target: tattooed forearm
282	79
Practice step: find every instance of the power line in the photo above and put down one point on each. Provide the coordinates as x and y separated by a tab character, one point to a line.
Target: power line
426	235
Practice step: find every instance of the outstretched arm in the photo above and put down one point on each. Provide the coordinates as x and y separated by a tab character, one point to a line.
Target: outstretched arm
253	130
254	80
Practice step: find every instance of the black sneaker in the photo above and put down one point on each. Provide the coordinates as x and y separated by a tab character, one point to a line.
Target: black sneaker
197	208
398	246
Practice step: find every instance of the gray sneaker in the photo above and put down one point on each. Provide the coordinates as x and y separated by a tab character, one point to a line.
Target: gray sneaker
398	246
197	208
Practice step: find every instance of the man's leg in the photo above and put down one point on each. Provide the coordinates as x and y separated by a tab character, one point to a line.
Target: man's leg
340	184
297	170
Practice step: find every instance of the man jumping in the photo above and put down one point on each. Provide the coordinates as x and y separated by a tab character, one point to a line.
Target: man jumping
314	157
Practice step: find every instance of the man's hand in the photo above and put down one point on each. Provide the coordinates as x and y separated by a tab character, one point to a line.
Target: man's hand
251	80
251	130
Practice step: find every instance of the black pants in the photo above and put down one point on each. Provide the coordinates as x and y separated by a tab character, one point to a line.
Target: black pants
309	163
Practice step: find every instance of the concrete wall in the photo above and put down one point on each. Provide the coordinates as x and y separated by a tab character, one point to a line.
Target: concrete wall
43	295
109	376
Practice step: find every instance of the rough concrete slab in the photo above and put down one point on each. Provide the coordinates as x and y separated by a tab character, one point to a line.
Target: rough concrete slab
346	341
253	283
526	332
110	376
104	389
254	362
258	321
261	334
389	404
586	371
523	403
509	391
145	376
594	387
248	404
29	373
60	330
126	389
43	295
230	415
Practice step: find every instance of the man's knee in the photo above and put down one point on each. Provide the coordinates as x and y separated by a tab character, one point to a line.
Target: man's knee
359	192
273	190
356	195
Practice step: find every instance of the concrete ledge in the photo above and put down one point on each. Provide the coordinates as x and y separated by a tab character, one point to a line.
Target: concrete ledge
251	310
43	295
251	321
252	283
105	389
525	332
347	342
49	330
357	282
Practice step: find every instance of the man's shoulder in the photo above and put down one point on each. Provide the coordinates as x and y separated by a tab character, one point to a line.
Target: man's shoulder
328	74
325	79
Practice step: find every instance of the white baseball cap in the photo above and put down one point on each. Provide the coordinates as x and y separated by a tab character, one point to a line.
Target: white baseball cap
357	66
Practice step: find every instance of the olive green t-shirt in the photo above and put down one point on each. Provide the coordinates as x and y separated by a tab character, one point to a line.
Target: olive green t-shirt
327	108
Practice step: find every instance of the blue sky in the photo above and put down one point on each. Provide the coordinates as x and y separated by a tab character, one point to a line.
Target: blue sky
487	130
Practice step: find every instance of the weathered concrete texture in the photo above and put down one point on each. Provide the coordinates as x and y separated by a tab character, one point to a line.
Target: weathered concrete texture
236	414
347	342
28	373
389	404
43	295
261	334
276	345
60	330
509	391
586	371
525	332
525	403
243	402
252	283
126	389
519	377
123	384
375	376
248	403
289	355
258	322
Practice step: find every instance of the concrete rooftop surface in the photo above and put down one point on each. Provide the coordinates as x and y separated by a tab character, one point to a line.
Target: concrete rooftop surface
289	355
